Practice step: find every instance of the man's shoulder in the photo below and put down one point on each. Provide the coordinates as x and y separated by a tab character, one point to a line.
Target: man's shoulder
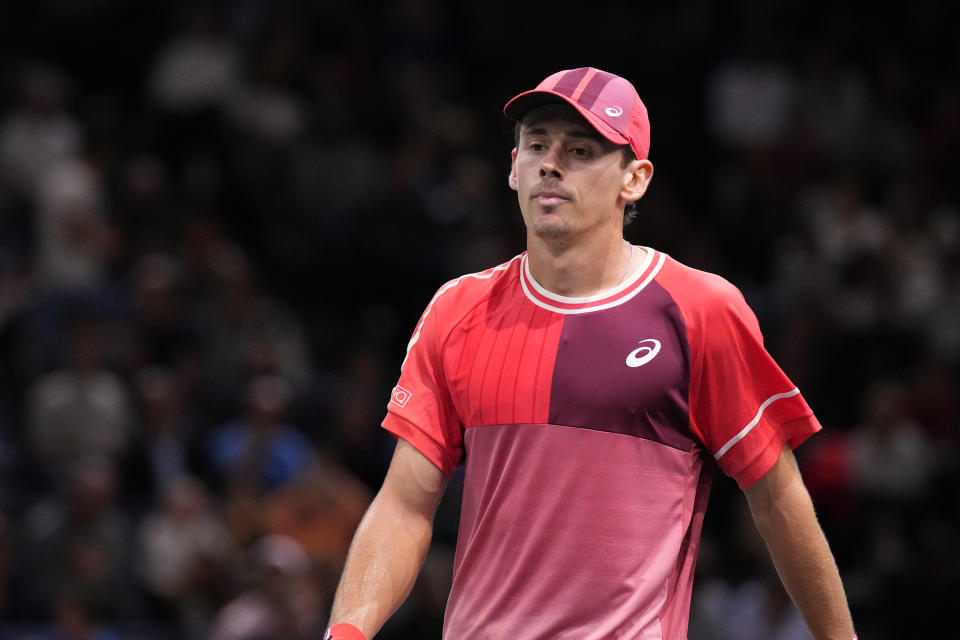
468	290
696	287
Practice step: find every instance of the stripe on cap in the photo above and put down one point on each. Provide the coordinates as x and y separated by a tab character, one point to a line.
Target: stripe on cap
569	81
592	91
584	81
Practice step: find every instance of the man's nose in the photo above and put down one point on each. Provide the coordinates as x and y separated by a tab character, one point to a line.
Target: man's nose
550	165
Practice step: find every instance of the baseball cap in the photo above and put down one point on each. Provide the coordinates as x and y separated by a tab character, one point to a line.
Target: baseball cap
607	101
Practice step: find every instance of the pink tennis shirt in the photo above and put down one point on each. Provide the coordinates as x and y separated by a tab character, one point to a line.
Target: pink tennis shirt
586	427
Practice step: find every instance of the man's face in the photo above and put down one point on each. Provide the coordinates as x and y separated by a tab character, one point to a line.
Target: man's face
568	178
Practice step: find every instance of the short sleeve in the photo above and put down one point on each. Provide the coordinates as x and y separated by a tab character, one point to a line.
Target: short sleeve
743	407
420	410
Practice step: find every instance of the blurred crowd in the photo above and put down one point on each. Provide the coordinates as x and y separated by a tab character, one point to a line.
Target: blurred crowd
220	221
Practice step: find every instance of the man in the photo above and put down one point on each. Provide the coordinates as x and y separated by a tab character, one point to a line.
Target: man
588	386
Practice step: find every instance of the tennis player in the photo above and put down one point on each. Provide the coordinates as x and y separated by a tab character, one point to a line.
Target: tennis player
590	387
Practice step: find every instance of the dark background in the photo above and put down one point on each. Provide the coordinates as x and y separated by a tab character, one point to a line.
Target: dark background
220	217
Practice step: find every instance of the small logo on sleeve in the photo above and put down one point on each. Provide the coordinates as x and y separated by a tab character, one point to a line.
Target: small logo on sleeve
400	396
643	354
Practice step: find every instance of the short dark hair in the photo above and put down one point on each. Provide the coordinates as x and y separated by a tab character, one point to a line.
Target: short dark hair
631	209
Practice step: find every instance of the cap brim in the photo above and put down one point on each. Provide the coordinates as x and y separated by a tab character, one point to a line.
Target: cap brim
516	108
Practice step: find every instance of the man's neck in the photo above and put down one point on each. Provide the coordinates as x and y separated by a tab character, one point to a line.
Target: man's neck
581	269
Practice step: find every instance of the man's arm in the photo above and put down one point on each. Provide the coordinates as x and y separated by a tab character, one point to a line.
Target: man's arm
391	542
784	515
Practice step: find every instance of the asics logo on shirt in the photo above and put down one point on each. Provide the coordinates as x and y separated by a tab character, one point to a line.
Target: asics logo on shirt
643	354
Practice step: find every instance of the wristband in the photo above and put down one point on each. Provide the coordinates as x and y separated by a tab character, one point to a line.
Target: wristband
344	631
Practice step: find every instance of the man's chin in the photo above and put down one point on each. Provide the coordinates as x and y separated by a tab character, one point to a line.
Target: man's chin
551	229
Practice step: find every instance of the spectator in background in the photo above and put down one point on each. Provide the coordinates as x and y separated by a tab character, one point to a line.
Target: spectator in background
751	96
78	539
266	108
164	332
39	132
750	101
198	67
255	333
74	618
832	100
894	457
75	241
165	446
320	511
901	545
755	609
81	409
148	212
258	453
185	555
358	441
190	81
279	603
933	396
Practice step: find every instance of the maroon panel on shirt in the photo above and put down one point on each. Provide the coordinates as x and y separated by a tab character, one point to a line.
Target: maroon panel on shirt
594	387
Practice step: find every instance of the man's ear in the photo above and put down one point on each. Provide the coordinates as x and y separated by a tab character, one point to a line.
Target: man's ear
512	178
636	179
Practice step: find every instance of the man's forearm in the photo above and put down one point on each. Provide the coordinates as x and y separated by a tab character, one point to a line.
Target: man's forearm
809	574
390	544
385	557
802	557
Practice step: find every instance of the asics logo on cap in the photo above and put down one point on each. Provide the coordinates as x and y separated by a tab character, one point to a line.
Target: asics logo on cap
613	112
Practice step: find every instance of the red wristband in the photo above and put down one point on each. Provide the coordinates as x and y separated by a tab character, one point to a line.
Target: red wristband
344	631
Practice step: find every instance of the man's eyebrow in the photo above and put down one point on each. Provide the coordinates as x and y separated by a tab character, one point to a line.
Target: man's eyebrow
573	133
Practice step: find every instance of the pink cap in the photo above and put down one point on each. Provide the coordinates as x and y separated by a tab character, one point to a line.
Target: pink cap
608	102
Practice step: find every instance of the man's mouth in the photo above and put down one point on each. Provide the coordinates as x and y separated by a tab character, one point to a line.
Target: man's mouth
549	197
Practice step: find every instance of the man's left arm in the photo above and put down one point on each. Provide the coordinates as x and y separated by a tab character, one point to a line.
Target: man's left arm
784	515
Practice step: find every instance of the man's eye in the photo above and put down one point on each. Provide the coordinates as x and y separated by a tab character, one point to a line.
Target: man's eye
536	146
580	152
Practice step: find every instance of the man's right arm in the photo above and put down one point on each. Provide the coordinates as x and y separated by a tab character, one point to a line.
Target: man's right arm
391	542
